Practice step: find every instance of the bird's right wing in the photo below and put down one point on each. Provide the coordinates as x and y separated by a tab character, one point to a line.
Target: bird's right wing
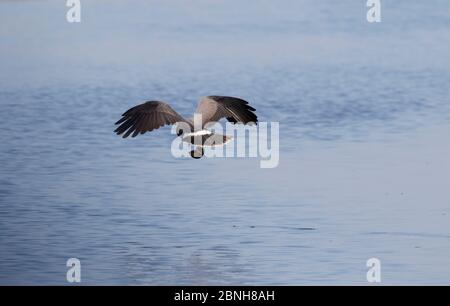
146	117
235	110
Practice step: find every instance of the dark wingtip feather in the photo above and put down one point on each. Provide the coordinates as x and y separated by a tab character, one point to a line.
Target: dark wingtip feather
121	120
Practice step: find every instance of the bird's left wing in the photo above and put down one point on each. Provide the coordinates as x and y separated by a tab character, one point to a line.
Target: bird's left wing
146	117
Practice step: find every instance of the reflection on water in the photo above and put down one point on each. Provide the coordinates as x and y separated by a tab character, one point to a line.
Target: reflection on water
363	132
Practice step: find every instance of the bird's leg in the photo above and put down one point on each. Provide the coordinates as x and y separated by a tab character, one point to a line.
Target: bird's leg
197	153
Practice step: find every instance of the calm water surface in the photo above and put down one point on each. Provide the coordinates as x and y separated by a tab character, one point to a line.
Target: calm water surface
364	116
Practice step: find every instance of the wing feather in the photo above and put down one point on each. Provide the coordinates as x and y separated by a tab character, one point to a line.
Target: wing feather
146	117
235	110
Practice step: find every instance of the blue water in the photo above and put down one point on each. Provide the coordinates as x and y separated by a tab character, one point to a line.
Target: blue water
364	116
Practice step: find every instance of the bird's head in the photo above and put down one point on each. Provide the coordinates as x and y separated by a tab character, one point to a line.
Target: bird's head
180	131
182	128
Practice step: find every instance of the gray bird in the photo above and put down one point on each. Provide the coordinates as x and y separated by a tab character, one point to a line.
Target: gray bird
152	115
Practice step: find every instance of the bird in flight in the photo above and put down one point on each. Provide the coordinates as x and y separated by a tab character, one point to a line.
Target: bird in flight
152	115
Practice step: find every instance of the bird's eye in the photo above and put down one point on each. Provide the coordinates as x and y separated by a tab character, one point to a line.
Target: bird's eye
180	132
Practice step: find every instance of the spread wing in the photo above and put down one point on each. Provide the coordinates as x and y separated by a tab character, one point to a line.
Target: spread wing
213	108
146	117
